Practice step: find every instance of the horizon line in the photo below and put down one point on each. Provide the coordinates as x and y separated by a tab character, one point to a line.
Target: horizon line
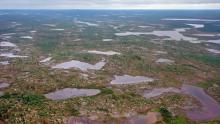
100	9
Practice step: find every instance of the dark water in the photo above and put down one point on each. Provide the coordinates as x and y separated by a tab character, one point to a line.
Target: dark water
210	108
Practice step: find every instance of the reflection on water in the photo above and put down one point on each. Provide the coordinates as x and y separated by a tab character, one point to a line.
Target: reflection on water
71	93
4	85
150	118
108	53
83	66
166	61
191	19
197	25
213	51
4	63
7	44
46	60
159	91
173	34
81	120
127	79
210	108
11	55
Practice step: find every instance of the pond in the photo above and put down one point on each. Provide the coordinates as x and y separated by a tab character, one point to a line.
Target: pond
71	93
127	79
83	66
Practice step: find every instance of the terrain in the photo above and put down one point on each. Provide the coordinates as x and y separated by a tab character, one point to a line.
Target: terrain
109	66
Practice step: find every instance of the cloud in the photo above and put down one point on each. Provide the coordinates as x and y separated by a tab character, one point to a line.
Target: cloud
110	4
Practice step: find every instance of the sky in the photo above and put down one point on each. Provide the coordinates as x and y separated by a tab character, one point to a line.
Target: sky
109	4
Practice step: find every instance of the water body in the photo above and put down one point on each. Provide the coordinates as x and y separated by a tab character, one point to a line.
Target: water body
159	91
11	55
160	52
107	40
127	79
214	41
7	44
83	66
165	61
57	29
71	93
150	118
8	34
81	120
173	34
4	85
26	37
204	35
4	63
213	51
33	31
87	23
191	19
197	25
50	25
46	60
108	53
210	108
145	26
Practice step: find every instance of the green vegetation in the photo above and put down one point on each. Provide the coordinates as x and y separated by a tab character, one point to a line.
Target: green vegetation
23	101
167	115
205	85
32	99
48	44
169	119
75	112
207	59
107	91
179	120
177	69
26	98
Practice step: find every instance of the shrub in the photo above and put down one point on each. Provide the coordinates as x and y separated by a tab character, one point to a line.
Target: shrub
107	91
75	112
32	99
167	115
